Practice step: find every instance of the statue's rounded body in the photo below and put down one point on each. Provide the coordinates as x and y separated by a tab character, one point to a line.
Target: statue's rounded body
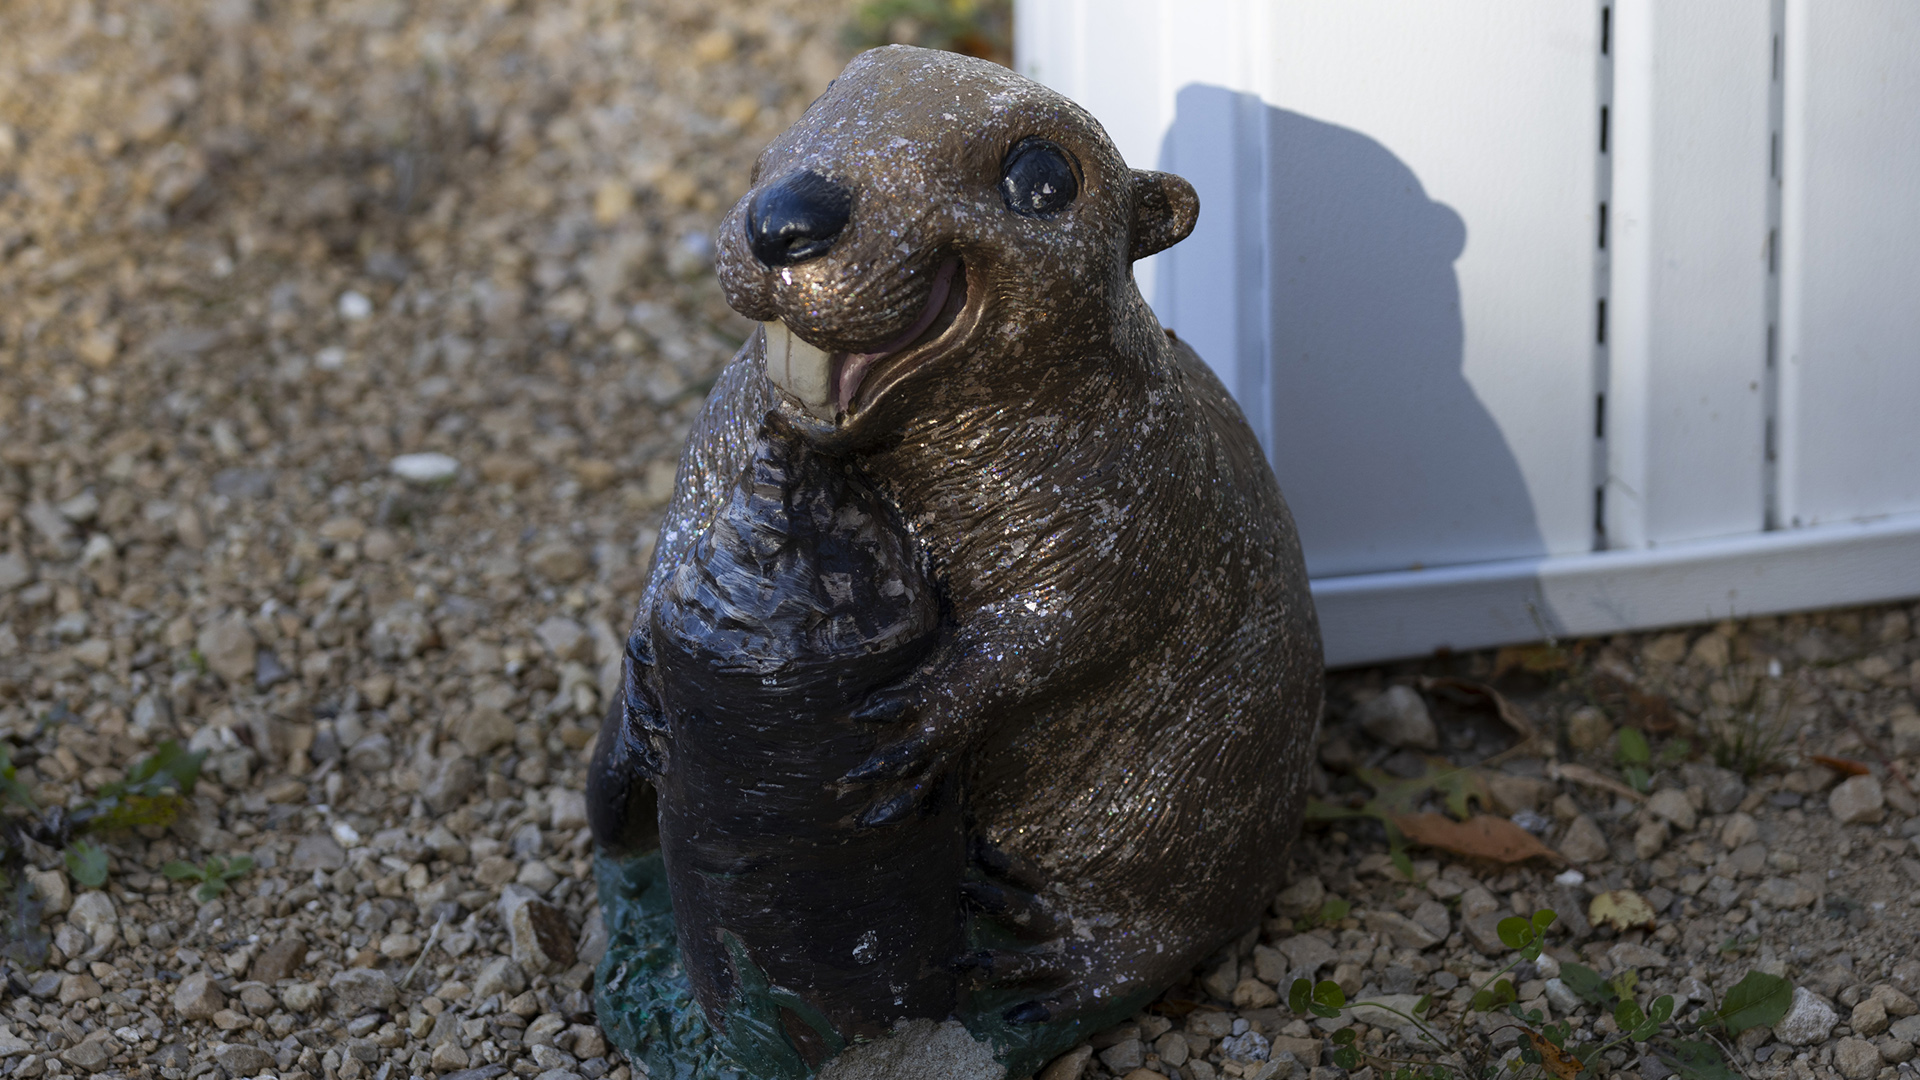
1128	671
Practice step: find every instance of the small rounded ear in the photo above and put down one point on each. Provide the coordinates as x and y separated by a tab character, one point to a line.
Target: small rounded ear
1164	210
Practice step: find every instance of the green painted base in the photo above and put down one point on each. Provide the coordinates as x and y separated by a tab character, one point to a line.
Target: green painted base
647	1008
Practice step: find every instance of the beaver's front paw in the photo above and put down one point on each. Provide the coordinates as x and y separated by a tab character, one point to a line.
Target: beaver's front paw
1049	975
911	768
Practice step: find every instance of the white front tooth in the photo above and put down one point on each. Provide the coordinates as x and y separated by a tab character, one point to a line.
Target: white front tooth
800	369
778	342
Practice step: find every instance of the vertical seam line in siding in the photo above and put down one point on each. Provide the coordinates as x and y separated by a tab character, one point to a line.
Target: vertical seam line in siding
1602	266
1775	166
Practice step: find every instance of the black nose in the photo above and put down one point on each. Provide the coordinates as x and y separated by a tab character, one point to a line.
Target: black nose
797	219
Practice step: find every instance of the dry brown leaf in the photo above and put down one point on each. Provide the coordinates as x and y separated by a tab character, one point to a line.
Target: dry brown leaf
1481	836
1650	712
1623	908
1533	659
1484	697
1580	774
1555	1060
1843	766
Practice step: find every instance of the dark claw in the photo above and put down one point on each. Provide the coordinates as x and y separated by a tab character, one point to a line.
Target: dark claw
891	811
1028	1012
1007	866
891	763
1019	912
1009	967
976	965
883	707
987	899
990	858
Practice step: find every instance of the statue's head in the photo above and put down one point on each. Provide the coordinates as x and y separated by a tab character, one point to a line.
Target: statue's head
935	221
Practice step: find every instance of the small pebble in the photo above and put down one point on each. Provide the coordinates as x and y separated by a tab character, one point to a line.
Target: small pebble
354	306
426	468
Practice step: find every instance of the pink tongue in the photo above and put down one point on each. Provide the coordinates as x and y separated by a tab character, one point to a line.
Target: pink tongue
855	366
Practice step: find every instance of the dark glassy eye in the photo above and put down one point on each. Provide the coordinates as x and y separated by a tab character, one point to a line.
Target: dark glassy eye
1037	180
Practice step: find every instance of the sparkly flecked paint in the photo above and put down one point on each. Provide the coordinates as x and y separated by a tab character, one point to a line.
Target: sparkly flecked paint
1128	672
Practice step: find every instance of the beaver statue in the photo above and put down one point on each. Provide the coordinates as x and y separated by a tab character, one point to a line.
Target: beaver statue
970	699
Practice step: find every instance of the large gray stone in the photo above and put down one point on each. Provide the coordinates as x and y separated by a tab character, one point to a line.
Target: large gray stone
1671	805
1300	899
1856	1058
239	1059
359	989
93	1055
15	571
1071	1065
52	889
197	998
228	647
448	782
482	728
1810	1019
1402	931
1584	842
93	913
371	754
1785	893
1858	800
1869	1017
1399	717
918	1050
541	939
498	976
1629	955
1393	1016
318	851
1724	788
1306	951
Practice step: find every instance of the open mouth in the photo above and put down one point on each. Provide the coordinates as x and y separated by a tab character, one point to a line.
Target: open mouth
829	385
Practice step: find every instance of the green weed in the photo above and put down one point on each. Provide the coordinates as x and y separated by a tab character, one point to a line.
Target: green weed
213	877
1330	912
1695	1048
1753	739
982	28
87	864
153	792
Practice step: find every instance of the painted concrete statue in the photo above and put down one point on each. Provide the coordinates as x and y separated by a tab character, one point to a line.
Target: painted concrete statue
970	701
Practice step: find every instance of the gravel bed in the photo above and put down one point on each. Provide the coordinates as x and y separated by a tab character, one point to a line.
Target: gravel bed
345	354
1799	870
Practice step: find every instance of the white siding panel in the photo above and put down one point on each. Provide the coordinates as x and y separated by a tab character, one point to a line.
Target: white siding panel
1397	284
1433	278
1371	617
1687	395
1850	385
1396	271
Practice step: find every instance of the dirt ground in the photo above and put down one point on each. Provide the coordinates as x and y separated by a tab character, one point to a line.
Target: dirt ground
345	353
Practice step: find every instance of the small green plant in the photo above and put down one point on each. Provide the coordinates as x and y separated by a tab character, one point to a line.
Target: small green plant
1638	762
12	791
152	793
982	28
1396	799
155	790
1753	739
1633	755
22	941
86	863
1330	912
1693	1048
213	877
